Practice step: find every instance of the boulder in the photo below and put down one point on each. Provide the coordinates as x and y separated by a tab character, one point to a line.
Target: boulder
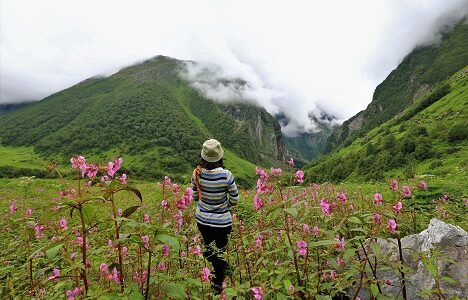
449	240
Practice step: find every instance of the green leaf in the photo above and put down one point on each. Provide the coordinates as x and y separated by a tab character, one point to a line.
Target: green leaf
281	296
449	280
230	292
52	252
168	239
173	290
355	220
292	211
287	284
133	190
374	289
129	211
432	269
322	243
376	249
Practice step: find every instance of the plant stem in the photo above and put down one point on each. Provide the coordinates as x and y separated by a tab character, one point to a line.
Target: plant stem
119	246
374	271
83	249
401	271
360	280
148	276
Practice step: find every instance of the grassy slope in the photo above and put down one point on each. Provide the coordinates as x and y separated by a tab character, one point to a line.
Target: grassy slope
446	158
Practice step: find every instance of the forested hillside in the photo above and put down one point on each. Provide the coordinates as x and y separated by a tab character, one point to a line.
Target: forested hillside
148	114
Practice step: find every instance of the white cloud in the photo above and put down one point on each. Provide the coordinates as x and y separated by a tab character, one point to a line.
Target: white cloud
295	56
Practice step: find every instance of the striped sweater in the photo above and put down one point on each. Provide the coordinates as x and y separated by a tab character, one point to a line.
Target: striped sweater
219	192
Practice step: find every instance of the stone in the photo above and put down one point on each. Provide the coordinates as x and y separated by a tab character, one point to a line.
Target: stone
451	241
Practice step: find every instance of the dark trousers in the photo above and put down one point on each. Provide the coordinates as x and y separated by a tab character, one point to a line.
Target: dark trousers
215	240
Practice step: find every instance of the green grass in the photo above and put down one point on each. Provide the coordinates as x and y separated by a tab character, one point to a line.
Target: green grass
20	157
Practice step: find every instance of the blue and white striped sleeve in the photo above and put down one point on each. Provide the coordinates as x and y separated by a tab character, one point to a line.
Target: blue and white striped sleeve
232	190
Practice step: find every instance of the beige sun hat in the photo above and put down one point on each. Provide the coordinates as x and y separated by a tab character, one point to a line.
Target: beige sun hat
212	151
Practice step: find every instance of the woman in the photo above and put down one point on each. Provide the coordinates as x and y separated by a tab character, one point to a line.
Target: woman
215	191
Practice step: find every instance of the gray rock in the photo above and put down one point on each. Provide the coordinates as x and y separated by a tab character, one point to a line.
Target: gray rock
451	241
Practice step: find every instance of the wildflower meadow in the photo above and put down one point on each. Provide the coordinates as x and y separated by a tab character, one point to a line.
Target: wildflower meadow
102	236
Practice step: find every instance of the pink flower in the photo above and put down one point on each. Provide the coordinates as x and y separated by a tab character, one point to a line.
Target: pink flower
79	163
146	218
377	218
175	188
325	206
306	228
261	173
197	250
92	170
166	250
205	274
72	294
115	275
110	244
340	243
302	247
120	212
13	208
299	176
178	218
103	268
392	226
114	166
397	207
277	263
342	197
259	241
260	186
38	230
123	179
63	224
89	183
291	289
28	212
291	162
124	251
164	204
423	185
378	199
340	261
105	178
73	256
315	230
145	240
257	293
333	274
276	172
406	191
162	266
394	185
55	274
258	203
167	181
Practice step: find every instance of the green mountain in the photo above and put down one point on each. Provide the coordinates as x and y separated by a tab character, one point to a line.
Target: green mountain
419	73
149	115
428	137
305	147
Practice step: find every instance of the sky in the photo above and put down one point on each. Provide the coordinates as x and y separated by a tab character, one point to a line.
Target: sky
297	57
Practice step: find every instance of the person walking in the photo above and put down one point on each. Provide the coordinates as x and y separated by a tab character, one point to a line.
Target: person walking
216	192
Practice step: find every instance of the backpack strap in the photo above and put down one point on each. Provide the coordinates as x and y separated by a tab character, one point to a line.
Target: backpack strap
196	172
